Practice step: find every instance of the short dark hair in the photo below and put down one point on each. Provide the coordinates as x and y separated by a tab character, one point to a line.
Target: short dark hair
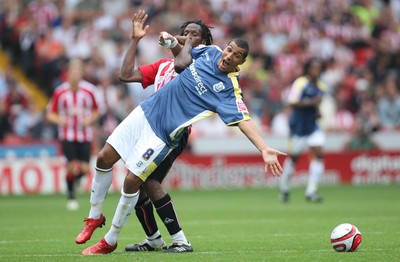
309	62
205	30
242	43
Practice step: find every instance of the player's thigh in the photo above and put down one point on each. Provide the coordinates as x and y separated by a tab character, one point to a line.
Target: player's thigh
163	168
126	135
316	142
297	144
147	154
83	155
316	139
137	144
83	151
69	150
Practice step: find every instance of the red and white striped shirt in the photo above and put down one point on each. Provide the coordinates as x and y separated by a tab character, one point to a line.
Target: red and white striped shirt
74	107
158	73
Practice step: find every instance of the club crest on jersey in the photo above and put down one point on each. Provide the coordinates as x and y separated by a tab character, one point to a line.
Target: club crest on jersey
241	106
218	87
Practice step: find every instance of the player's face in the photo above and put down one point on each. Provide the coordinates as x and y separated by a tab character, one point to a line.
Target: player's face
74	76
193	31
232	56
315	69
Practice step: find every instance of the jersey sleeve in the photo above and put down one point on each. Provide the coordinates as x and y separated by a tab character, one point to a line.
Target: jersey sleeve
323	87
95	101
149	72
52	106
296	90
233	113
199	50
234	110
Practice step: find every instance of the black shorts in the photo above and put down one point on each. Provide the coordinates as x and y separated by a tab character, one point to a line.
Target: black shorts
76	150
162	170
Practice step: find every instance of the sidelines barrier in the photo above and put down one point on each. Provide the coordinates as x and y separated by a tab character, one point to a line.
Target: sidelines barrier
46	175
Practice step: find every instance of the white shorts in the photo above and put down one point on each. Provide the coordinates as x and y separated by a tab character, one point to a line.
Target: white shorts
297	144
139	147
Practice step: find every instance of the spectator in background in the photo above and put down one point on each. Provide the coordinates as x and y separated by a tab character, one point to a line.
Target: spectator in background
280	123
74	108
50	55
15	101
304	99
28	120
108	95
361	93
369	117
360	138
4	126
343	120
389	104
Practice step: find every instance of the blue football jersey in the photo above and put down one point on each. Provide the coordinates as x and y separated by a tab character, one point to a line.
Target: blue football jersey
198	92
303	120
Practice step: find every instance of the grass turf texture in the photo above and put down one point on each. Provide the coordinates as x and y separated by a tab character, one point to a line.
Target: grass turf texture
224	225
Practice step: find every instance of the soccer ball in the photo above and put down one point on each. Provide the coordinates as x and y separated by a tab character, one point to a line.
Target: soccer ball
346	238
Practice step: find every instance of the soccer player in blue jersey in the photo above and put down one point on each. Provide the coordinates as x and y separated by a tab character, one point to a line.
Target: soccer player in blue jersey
154	75
152	192
304	98
208	86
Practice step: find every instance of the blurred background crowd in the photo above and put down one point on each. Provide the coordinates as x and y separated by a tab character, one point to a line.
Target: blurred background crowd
359	41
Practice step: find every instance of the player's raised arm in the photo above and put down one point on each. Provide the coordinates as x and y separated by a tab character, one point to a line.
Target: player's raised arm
139	30
184	58
269	155
182	54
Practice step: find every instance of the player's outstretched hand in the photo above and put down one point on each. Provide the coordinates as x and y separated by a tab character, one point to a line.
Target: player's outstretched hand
139	30
270	157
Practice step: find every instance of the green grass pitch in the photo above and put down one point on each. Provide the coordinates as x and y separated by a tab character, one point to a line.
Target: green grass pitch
222	225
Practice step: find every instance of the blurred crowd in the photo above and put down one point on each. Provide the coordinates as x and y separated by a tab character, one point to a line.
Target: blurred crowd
359	41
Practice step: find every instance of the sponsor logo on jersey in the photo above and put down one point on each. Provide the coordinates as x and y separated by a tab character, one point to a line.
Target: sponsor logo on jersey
207	56
201	89
218	87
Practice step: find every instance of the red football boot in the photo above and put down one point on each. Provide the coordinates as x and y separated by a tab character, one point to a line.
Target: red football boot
90	226
101	248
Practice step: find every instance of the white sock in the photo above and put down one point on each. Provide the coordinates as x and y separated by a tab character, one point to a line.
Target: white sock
124	209
100	184
155	240
154	236
316	170
179	238
288	170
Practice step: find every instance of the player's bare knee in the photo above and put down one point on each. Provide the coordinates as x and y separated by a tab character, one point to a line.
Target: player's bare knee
154	189
294	158
132	183
103	160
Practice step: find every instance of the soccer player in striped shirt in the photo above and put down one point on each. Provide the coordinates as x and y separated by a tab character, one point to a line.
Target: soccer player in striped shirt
156	75
207	86
74	109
